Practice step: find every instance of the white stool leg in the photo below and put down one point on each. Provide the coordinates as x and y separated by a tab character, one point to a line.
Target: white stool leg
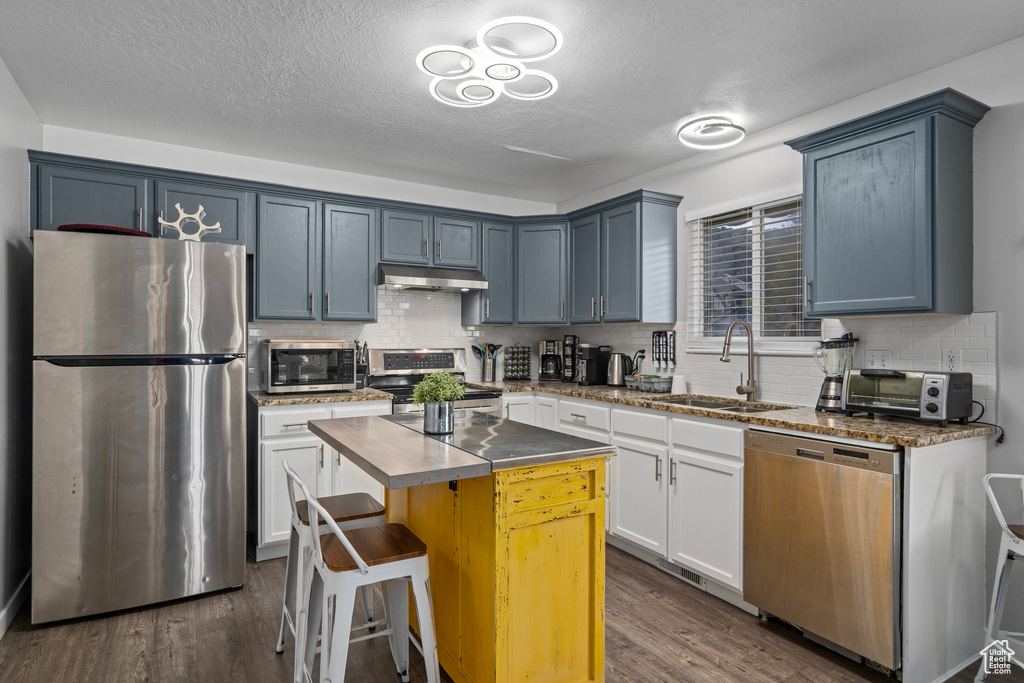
397	595
367	594
995	615
314	622
425	616
303	575
288	602
334	660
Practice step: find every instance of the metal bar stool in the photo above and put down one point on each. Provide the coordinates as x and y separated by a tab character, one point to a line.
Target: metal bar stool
350	559
1011	547
348	511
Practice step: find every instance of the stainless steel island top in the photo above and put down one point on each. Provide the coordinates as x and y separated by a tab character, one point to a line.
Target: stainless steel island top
394	450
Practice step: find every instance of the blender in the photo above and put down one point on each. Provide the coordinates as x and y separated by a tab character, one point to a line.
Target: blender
834	357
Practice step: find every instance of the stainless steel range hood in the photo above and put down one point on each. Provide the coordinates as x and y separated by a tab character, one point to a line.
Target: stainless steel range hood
426	279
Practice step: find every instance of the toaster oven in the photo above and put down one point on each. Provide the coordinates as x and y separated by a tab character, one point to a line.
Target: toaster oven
933	396
314	365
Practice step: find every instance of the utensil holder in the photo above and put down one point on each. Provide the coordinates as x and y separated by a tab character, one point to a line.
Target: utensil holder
488	370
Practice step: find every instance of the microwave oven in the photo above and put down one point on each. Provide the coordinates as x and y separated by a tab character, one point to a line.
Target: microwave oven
932	396
300	366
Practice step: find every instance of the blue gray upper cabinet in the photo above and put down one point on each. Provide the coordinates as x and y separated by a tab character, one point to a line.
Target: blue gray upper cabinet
585	269
286	258
80	195
456	243
542	279
623	255
496	304
233	209
350	263
888	210
405	237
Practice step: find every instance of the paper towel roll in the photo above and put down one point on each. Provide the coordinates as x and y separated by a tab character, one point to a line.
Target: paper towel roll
678	384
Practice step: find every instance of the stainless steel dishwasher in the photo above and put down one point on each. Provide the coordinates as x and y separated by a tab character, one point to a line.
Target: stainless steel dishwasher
821	540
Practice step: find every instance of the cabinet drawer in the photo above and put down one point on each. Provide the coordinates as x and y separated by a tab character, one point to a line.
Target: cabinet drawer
290	421
708	437
643	425
584	415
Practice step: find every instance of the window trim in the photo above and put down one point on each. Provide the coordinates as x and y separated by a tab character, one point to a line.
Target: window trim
764	346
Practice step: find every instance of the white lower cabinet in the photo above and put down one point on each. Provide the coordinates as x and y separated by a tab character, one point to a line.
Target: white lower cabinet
546	414
640	506
518	407
705	505
283	436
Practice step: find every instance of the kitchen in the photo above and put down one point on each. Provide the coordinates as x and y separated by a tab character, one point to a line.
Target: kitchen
761	169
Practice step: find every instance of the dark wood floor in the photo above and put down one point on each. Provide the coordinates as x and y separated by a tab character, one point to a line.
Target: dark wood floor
658	630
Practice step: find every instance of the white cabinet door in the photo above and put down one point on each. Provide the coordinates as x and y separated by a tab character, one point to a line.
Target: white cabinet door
706	515
547	413
640	502
609	463
518	408
306	456
348	477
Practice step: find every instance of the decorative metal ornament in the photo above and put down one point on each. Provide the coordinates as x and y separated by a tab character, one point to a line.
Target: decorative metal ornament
196	218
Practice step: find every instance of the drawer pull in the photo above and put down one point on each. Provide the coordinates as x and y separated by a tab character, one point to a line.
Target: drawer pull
578	416
294	424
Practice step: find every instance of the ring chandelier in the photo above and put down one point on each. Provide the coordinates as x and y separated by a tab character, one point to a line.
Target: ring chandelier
493	64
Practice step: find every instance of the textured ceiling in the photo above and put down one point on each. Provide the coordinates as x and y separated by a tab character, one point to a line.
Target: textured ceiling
334	84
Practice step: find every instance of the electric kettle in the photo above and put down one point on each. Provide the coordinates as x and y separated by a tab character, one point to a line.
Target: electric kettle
619	366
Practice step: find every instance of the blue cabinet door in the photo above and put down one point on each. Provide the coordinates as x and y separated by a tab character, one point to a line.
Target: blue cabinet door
350	263
456	243
585	269
405	237
542	273
867	236
74	195
286	258
499	268
234	210
620	264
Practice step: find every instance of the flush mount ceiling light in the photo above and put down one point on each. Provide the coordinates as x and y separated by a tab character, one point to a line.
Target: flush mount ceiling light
711	132
493	64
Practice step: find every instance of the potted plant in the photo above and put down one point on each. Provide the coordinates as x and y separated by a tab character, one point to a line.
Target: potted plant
436	392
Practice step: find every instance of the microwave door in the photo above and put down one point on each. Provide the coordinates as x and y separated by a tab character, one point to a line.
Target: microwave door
111	295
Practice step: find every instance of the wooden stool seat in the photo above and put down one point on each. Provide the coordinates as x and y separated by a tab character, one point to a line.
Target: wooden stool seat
346	507
1017	530
375	544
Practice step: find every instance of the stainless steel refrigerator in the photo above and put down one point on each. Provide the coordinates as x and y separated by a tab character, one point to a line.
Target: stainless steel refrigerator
138	448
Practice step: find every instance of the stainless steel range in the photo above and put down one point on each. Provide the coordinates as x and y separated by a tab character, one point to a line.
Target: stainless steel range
397	371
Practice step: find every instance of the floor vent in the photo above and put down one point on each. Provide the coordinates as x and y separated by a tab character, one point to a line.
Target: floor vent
690	577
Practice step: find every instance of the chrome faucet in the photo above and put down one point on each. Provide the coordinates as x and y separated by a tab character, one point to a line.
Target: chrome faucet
750	390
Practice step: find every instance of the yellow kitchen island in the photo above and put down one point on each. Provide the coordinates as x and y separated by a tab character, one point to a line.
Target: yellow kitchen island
513	519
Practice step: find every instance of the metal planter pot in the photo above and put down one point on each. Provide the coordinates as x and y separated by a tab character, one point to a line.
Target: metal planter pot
438	418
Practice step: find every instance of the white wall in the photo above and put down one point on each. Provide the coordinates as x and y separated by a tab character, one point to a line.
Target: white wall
20	129
148	153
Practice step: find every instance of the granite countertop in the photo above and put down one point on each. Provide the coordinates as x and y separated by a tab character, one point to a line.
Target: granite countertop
878	429
262	398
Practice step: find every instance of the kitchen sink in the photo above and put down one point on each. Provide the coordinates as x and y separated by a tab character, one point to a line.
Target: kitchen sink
748	409
697	403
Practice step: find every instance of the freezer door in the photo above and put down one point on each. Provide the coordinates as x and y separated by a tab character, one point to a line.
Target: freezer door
111	295
138	484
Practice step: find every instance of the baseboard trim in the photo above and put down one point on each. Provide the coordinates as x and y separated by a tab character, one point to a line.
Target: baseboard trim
14	604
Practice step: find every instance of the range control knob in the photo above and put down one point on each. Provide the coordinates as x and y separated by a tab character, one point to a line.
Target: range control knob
932	408
933	391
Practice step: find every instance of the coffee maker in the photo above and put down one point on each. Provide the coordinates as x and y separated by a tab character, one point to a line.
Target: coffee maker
550	353
593	364
570	350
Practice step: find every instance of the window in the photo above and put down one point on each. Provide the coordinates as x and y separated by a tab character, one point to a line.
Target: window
746	265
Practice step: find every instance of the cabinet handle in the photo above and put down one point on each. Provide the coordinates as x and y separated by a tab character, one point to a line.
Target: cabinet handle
806	285
337	455
311	301
487	308
425	249
577	415
602	305
321	457
294	424
657	469
672	473
140	220
438	250
327	296
163	228
592	302
506	411
561	308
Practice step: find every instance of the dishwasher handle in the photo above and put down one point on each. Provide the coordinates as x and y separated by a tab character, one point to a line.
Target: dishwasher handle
808	453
